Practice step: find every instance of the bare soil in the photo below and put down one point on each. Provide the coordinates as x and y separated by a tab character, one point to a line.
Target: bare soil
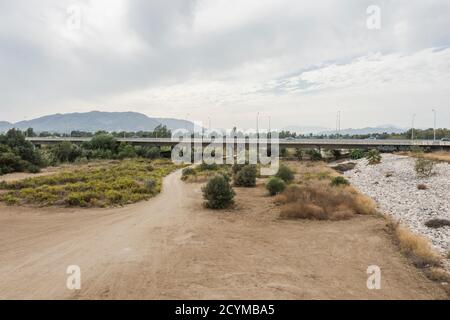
170	247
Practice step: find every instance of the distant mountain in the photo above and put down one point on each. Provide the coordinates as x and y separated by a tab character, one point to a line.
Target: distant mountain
368	130
305	129
96	120
4	126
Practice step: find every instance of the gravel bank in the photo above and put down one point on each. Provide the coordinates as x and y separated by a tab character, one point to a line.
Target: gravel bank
393	185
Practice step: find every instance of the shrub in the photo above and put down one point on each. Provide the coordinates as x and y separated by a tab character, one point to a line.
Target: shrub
336	153
126	151
285	173
187	172
64	152
246	177
153	153
339	181
424	167
102	142
356	154
283	152
218	193
314	155
275	185
373	156
208	167
299	154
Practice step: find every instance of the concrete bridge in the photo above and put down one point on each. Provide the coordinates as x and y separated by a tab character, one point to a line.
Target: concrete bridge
283	143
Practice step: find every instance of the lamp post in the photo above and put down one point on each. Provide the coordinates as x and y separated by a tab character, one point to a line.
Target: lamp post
257	125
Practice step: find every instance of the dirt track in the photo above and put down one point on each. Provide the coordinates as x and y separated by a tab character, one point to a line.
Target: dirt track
171	248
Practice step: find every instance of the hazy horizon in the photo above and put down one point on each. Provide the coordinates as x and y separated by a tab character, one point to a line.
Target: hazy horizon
295	62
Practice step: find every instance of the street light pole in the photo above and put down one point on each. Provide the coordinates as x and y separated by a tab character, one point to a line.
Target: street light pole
412	126
434	128
257	125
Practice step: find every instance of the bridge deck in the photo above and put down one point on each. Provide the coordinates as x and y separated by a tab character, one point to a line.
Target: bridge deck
297	143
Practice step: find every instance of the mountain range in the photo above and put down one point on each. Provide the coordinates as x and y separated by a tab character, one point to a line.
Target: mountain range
133	121
349	131
95	121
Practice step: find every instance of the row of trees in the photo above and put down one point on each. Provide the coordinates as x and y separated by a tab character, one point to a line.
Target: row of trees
159	132
19	155
426	134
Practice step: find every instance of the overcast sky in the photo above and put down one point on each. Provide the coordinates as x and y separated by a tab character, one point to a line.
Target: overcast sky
295	61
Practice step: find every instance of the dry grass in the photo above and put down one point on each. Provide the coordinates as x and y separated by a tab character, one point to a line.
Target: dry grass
319	201
313	197
414	246
436	156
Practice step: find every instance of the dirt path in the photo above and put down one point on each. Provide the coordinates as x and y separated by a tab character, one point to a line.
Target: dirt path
171	248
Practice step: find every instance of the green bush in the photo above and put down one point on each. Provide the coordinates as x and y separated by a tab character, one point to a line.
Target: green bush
356	154
187	172
64	152
218	193
339	181
275	185
285	173
299	154
314	155
153	153
246	177
126	151
208	167
373	156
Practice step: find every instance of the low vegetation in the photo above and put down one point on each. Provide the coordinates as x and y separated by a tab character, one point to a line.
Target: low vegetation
414	246
318	200
339	181
275	185
203	172
114	183
285	173
423	167
373	157
357	154
19	155
245	176
218	193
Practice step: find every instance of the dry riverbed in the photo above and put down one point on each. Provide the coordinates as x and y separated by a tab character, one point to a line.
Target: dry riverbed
394	186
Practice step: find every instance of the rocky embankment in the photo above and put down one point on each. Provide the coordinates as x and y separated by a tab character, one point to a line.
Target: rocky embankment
393	184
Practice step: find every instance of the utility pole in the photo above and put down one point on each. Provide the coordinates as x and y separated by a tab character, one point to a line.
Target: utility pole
434	127
412	126
270	135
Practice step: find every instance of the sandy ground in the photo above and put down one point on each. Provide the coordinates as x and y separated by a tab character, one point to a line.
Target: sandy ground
172	248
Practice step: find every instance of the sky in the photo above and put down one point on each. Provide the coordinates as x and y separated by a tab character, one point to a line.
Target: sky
295	62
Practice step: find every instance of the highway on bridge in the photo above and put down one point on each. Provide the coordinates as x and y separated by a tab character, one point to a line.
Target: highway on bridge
283	143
